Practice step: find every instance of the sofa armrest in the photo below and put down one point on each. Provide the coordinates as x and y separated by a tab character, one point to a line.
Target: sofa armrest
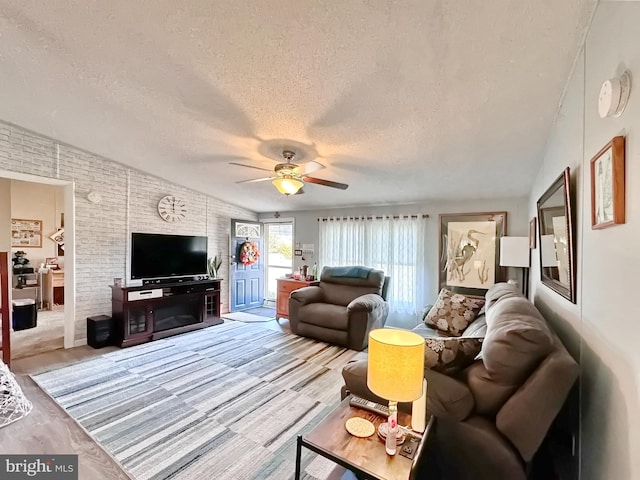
447	397
526	417
366	303
306	295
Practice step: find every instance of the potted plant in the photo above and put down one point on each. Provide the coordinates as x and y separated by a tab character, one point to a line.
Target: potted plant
214	266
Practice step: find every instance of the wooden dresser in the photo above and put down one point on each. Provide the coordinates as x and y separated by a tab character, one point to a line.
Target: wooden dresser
53	288
285	287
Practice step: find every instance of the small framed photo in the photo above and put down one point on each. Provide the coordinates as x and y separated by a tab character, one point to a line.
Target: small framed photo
52	263
607	185
297	253
532	233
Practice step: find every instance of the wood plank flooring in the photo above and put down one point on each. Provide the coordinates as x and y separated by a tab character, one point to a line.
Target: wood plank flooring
48	429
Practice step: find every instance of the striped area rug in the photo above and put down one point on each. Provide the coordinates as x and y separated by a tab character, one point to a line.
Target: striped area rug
225	402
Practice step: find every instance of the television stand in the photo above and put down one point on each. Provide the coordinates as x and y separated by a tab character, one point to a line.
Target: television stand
144	313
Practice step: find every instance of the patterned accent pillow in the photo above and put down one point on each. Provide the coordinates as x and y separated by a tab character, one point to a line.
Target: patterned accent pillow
450	355
453	312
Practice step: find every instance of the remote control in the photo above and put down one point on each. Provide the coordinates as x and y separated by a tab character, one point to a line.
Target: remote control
374	407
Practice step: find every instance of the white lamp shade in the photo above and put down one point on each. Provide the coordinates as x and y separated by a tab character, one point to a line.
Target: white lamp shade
514	252
396	364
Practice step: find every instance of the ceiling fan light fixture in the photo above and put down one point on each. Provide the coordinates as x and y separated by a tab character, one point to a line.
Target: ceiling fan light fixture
287	185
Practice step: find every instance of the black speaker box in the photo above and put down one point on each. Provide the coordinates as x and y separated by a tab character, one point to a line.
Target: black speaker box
99	331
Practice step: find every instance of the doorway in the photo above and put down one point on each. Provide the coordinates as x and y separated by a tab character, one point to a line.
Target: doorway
279	255
246	277
51	291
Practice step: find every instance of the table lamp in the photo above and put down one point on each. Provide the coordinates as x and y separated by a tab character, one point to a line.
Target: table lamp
514	252
395	372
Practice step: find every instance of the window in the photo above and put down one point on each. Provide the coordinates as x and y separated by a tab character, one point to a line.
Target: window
279	258
393	245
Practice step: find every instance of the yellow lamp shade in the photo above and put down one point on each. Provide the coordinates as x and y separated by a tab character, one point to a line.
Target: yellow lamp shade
287	185
396	364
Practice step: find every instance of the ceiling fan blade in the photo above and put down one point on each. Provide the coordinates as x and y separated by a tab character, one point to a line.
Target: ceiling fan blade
308	167
255	180
326	183
250	166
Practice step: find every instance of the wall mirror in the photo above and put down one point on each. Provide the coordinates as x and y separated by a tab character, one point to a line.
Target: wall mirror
557	264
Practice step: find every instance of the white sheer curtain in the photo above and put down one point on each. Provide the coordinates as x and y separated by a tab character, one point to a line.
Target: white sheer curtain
394	245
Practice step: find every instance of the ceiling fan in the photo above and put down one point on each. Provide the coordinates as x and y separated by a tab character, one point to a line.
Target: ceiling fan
288	177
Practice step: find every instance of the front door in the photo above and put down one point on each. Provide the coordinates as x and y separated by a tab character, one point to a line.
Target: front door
245	280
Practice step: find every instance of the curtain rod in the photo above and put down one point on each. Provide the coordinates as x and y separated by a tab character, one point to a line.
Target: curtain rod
383	217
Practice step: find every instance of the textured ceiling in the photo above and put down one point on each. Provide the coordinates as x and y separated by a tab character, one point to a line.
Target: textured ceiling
404	101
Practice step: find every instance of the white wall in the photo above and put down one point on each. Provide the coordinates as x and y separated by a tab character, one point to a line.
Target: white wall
602	328
307	230
129	200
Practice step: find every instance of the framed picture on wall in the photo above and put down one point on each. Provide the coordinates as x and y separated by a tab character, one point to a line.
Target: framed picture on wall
26	233
607	185
469	249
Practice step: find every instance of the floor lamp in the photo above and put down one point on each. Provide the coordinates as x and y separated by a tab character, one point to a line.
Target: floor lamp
514	252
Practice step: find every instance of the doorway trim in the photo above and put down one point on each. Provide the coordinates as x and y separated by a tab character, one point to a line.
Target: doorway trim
69	246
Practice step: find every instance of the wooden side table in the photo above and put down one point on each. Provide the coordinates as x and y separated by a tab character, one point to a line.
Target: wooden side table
285	287
366	457
53	290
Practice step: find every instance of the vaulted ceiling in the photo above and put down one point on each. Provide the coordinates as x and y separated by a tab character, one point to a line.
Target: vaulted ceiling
405	101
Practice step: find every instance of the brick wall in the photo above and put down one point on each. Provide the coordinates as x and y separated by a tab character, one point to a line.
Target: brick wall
129	204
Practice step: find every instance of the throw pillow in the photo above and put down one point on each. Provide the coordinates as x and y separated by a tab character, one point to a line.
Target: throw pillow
453	312
452	354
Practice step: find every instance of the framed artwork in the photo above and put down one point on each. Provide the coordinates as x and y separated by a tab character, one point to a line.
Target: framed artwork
532	233
26	233
58	237
607	185
469	251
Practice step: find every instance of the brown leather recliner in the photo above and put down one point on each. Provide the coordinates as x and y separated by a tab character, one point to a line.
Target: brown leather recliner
343	308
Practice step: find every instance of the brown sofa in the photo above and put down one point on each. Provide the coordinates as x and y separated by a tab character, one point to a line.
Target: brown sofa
343	308
493	415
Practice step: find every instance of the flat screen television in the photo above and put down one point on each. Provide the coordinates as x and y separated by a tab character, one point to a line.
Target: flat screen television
160	256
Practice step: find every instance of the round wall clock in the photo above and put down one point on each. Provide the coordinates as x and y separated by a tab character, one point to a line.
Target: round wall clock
172	209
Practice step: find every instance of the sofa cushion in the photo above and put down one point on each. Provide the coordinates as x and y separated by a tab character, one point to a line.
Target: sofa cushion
499	291
446	396
451	354
326	315
453	312
341	285
477	328
517	340
429	332
340	289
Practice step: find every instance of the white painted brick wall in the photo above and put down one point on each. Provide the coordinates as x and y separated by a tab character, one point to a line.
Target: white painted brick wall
103	230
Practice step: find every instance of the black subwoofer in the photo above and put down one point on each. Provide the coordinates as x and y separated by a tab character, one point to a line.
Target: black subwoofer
99	331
